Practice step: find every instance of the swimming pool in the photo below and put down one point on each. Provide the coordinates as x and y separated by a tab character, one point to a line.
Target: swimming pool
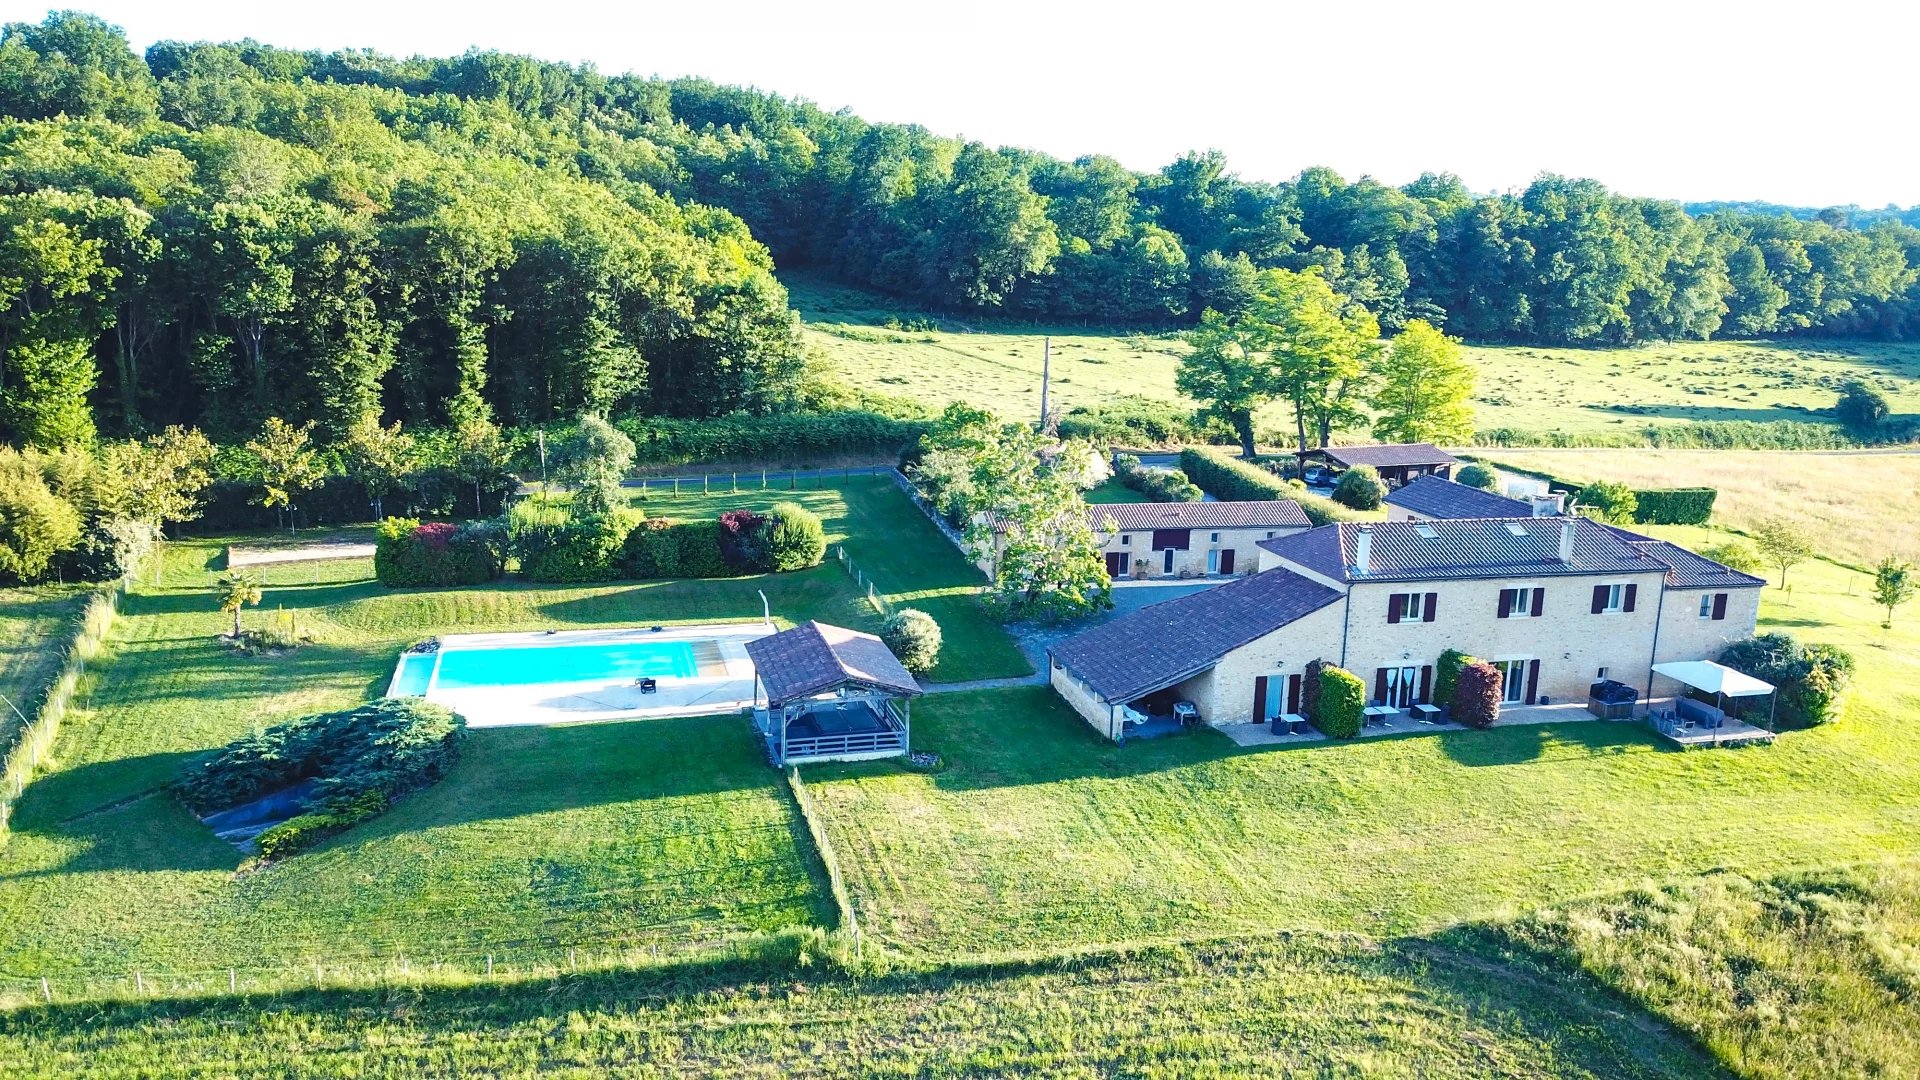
463	669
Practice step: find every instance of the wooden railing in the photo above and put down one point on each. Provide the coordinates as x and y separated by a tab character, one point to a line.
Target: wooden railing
853	742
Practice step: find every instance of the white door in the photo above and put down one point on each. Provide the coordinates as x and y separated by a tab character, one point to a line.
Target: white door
1513	684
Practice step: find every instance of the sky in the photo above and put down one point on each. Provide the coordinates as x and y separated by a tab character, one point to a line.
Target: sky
1806	104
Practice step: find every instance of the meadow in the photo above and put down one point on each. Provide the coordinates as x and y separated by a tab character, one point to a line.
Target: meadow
30	619
1583	392
1862	506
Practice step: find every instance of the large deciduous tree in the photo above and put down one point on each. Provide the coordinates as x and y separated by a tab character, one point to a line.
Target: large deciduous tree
1423	388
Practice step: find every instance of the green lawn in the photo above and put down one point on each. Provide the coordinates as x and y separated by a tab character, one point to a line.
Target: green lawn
35	627
1308	1007
1585	391
1111	490
893	543
1040	835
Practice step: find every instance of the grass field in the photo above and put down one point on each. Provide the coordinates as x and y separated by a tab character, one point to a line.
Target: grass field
35	625
1589	391
1040	835
1860	505
1312	1007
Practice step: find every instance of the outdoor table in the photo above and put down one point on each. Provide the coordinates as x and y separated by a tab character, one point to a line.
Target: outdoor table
1427	714
1377	714
1294	721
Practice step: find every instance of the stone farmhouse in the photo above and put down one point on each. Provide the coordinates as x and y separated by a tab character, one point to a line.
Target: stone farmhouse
1555	603
1191	539
1436	498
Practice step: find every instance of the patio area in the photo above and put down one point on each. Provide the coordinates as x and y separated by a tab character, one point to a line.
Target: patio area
1404	723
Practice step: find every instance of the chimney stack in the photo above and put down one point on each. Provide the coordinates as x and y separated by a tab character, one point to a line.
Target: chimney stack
1363	549
1566	539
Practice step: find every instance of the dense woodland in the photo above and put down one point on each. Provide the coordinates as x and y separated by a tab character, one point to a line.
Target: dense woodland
213	234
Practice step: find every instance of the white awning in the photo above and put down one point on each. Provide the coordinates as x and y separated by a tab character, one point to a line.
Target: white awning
1713	678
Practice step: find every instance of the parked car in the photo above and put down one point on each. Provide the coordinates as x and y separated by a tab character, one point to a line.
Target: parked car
1319	476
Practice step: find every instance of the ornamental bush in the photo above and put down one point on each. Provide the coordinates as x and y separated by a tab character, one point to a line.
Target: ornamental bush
556	546
1342	697
1310	688
1476	695
1446	675
1609	501
1737	552
1673	506
360	760
1158	485
1476	475
652	550
914	637
795	538
1360	488
1811	680
743	541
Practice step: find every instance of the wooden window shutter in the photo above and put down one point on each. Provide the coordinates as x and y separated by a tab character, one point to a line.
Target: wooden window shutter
1259	698
1426	684
1719	606
1632	590
1432	599
1396	607
1599	599
1379	684
1533	681
1504	602
1539	601
1293	694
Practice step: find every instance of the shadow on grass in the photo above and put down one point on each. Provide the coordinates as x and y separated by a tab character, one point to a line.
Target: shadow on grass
190	601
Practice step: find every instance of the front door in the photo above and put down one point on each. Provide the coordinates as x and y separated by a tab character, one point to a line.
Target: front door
1513	681
1226	561
1116	564
1166	564
1402	687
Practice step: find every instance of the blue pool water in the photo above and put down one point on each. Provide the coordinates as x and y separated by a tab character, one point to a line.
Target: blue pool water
416	669
526	665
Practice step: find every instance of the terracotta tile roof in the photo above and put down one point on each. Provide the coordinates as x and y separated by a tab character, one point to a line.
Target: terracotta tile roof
1465	548
1437	497
1262	514
1160	645
1388	456
815	658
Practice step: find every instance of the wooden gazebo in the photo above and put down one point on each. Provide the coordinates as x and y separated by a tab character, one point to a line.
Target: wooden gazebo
826	693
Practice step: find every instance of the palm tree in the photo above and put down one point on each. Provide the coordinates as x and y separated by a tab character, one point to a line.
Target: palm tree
237	591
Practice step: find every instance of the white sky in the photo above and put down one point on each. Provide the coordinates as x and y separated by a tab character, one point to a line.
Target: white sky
1807	103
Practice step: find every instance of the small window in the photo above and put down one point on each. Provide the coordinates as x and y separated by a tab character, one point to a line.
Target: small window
1126	540
1426	531
1271	534
1616	598
1516	528
1706	605
1213	538
1519	602
1601	674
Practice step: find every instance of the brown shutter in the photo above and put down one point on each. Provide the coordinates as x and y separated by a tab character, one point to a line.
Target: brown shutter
1226	560
1632	590
1539	601
1426	684
1259	698
1599	599
1719	606
1533	681
1504	604
1380	684
1293	694
1432	598
1396	607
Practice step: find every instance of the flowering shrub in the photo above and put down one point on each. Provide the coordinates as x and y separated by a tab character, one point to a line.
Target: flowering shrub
407	552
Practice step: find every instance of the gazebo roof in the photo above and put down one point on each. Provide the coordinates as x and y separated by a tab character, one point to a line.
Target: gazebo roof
815	658
1714	678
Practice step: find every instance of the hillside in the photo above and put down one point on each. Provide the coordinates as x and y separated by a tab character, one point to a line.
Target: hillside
1606	394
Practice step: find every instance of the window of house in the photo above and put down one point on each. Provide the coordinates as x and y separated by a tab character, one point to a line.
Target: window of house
1271	534
1126	540
1213	538
1410	607
1519	602
1706	605
1600	675
1616	598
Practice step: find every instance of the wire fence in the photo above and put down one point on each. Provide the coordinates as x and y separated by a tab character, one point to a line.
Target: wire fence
736	482
874	597
837	884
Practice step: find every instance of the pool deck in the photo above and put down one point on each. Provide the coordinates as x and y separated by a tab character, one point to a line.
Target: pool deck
728	690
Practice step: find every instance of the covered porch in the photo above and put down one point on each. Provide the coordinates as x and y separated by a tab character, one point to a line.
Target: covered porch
826	693
1713	707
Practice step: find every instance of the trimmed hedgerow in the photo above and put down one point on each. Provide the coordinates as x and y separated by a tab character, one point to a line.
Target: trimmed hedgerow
1158	485
1476	695
1342	697
790	438
795	538
1228	478
1674	506
407	552
580	548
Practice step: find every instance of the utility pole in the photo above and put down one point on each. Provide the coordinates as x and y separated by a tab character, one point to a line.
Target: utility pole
1046	370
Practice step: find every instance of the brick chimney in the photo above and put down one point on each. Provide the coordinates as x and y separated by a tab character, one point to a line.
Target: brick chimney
1363	549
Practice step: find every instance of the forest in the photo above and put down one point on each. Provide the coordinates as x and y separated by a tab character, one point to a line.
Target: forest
213	234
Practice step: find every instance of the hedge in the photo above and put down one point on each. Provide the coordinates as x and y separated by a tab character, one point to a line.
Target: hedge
1674	506
1226	477
1476	696
34	742
1138	421
787	439
407	552
233	505
1446	675
1810	680
1342	697
554	545
1652	506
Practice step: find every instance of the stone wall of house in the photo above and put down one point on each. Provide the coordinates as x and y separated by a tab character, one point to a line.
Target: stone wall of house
1137	545
1686	635
1225	694
1097	714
